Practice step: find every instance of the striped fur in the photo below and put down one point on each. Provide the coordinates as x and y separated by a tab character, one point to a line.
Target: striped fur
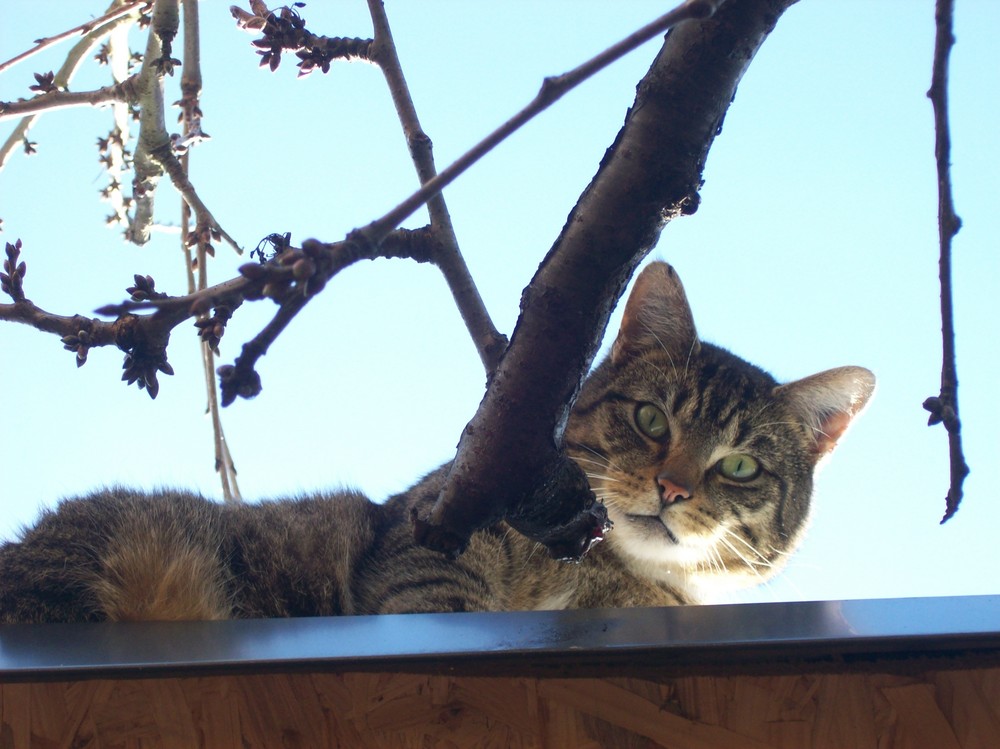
704	462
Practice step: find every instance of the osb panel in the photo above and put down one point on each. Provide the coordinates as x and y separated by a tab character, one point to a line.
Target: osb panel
941	710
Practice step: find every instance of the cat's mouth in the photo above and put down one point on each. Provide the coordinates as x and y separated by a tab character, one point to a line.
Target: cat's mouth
653	525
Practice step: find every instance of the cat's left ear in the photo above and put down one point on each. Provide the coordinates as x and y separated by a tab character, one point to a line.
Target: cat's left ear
827	402
657	314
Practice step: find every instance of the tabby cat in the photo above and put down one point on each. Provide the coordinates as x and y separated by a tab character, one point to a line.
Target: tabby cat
705	464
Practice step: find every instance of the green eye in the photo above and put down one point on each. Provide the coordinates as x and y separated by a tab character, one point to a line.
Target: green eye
651	421
739	467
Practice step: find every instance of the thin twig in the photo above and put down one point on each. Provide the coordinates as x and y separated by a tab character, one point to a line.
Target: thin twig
944	407
115	155
54	100
191	82
116	12
488	340
143	338
297	275
285	31
552	89
178	176
74	58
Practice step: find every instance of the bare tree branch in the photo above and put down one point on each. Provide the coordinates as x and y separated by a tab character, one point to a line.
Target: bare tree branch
54	100
143	338
650	175
116	12
114	154
210	328
489	342
316	263
153	138
285	31
290	279
62	79
552	90
944	407
203	216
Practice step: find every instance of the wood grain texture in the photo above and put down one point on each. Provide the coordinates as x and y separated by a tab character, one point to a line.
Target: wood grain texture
945	709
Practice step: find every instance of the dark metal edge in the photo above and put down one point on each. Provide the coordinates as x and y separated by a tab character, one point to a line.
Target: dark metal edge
888	634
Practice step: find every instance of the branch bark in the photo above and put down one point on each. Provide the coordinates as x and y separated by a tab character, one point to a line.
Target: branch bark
650	175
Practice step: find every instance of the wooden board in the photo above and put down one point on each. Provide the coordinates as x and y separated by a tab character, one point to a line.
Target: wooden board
943	709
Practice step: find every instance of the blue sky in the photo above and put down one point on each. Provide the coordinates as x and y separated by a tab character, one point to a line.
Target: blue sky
815	246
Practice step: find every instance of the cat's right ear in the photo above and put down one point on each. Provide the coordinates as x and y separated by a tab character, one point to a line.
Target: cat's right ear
828	402
657	315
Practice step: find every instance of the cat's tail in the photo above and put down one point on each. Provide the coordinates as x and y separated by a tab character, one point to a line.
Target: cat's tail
117	555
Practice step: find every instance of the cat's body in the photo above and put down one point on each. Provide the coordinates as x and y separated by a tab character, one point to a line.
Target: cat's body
704	461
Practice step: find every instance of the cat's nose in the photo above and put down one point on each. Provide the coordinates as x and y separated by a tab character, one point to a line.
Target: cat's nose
671	491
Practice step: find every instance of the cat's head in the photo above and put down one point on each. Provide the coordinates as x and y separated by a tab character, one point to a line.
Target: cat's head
704	461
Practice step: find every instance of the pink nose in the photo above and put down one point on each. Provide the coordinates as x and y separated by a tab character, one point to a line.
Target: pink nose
670	491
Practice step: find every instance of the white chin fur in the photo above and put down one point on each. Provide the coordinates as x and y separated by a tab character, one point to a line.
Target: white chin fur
690	564
658	557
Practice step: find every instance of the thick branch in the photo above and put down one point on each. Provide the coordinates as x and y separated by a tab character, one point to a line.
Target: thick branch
944	407
153	136
650	175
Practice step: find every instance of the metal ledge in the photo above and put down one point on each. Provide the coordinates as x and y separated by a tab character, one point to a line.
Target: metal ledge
753	638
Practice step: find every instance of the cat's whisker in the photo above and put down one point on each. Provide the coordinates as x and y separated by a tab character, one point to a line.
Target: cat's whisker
716	564
602	463
778	424
752	566
503	544
602	477
710	564
780	552
720	565
606	495
653	334
534	547
764	561
817	430
691	352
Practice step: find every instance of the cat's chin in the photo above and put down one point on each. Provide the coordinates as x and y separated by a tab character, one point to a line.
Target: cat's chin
652	527
651	543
